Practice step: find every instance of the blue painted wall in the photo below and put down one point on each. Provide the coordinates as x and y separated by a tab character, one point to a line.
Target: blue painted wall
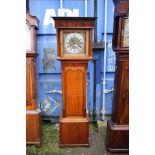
49	69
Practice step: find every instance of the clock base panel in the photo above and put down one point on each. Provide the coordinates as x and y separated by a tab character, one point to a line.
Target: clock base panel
117	139
33	127
74	131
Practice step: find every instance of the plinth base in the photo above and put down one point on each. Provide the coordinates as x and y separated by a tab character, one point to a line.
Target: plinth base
117	139
33	127
74	131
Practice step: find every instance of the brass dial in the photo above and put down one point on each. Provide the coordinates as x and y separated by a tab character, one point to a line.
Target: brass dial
74	42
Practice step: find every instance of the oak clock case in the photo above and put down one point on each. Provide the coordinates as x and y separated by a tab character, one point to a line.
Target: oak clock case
117	138
33	120
74	49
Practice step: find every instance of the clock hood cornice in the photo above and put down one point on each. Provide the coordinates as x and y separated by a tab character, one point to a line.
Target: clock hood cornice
121	7
33	21
68	22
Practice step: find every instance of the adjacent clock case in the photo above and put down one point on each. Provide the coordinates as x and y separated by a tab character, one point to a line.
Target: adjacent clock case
74	49
117	138
31	92
33	119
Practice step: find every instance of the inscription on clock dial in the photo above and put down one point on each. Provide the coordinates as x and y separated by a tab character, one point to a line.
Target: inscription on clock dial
74	43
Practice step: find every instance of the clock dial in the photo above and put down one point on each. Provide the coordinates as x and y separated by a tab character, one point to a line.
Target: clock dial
126	33
74	42
28	38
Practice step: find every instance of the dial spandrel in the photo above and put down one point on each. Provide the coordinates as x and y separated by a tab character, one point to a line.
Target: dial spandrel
74	42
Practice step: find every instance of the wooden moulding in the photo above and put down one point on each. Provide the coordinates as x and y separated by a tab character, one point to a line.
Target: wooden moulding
33	127
74	131
117	139
32	105
75	22
31	54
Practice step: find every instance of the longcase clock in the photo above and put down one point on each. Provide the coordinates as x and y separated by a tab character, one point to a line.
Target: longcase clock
74	49
33	120
117	139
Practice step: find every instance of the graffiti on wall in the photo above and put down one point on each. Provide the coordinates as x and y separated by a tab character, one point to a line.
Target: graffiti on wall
49	59
110	58
49	104
51	96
